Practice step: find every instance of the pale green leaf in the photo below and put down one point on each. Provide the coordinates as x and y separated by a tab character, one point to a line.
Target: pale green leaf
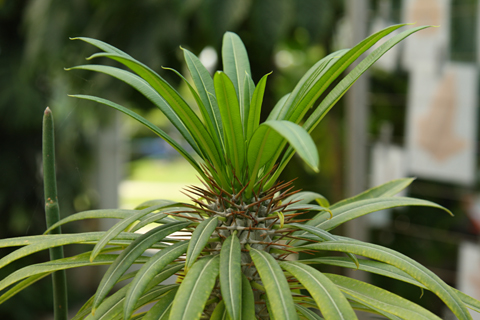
329	299
362	207
380	299
307	197
146	274
388	189
276	285
199	240
307	313
161	310
130	254
410	266
195	289
231	276
248	300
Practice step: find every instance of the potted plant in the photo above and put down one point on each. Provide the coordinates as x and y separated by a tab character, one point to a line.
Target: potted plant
243	224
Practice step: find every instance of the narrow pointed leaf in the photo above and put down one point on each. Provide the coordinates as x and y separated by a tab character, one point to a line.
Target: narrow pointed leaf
101	45
329	299
145	275
199	240
235	62
195	290
161	310
268	137
276	285
248	89
248	300
274	114
386	270
132	252
220	313
21	286
122	225
380	299
307	313
144	88
60	264
356	209
205	113
307	197
322	234
206	90
94	214
253	120
39	243
231	276
149	125
409	266
332	98
231	118
388	189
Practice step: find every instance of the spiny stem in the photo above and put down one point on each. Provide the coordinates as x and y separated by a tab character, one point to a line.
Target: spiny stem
52	214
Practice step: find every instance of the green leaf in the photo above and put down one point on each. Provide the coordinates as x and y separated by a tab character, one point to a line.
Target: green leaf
248	300
386	270
195	289
350	79
161	310
59	264
276	285
307	313
388	189
144	88
199	240
122	225
38	243
248	89
130	254
21	286
101	45
206	89
267	139
145	275
380	299
112	307
364	308
220	313
324	235
313	84
94	214
329	299
332	98
150	126
362	207
231	117
253	120
307	197
274	114
231	276
235	63
410	266
205	113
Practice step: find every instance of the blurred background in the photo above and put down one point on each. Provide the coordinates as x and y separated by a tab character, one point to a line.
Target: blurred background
413	114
